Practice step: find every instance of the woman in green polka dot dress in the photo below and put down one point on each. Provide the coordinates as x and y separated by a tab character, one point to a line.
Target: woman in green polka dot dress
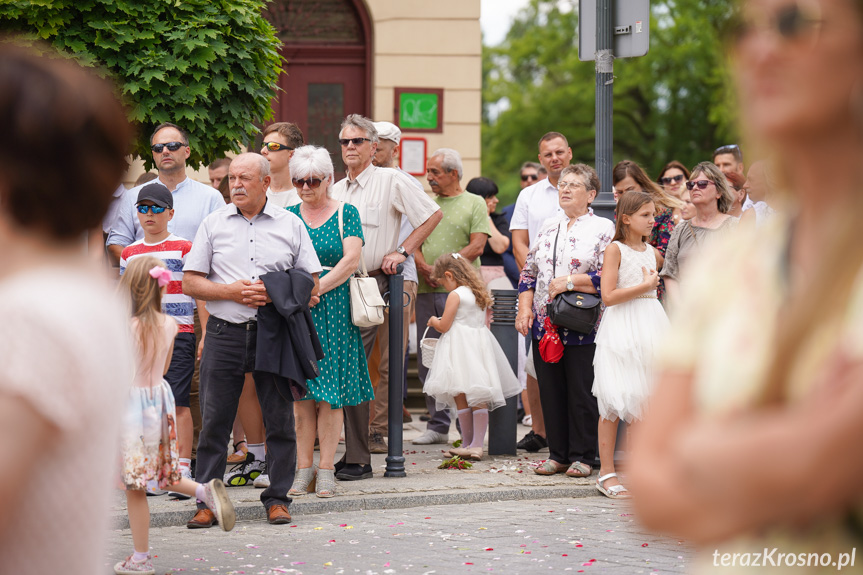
344	378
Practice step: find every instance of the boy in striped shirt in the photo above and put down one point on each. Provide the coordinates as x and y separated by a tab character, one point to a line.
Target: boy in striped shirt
155	209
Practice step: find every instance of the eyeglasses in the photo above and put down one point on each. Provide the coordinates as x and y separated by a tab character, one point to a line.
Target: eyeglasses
275	146
355	141
791	23
311	182
526	177
702	184
173	146
156	209
668	180
563	186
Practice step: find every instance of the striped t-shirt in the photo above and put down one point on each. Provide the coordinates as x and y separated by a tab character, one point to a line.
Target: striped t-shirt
172	250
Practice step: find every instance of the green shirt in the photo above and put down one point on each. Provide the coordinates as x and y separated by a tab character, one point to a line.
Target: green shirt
463	215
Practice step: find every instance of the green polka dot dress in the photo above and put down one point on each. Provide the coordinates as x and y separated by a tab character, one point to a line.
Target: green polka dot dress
344	379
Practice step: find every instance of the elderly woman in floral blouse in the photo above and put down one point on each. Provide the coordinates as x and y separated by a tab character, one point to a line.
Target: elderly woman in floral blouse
567	256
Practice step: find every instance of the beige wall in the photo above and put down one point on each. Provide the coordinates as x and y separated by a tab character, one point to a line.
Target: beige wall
422	44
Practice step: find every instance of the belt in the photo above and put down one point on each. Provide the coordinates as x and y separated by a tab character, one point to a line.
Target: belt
250	325
645	296
377	272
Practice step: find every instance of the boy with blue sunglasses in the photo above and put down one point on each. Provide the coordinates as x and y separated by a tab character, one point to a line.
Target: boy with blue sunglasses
155	208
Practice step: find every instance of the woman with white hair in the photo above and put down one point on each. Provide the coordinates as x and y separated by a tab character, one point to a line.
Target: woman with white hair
337	236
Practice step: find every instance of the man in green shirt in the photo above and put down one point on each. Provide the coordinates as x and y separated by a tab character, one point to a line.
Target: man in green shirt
463	229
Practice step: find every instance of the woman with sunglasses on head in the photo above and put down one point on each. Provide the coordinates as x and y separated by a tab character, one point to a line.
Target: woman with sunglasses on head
755	422
337	235
673	178
712	197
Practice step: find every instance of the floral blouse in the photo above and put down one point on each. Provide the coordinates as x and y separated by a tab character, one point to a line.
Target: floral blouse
580	250
662	228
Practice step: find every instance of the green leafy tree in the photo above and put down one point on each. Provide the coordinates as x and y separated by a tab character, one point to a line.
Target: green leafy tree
209	66
674	103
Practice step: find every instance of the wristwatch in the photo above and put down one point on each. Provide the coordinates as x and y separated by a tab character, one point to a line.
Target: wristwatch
569	285
401	250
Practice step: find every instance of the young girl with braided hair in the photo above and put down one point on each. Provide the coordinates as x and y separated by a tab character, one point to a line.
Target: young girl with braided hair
469	369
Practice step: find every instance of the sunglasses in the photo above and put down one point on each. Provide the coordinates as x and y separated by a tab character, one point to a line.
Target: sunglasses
155	209
526	177
311	182
173	146
702	184
671	179
355	141
792	23
275	146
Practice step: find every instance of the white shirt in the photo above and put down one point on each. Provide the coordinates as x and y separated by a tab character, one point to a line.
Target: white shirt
113	209
535	205
230	247
285	198
193	201
410	265
382	195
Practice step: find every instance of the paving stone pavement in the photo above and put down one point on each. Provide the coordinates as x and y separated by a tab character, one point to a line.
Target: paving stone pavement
584	535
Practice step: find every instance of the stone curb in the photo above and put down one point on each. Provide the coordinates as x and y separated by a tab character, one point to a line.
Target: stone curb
301	508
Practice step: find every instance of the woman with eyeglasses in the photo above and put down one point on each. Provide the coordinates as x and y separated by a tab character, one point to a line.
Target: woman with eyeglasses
673	178
752	446
337	235
712	197
566	256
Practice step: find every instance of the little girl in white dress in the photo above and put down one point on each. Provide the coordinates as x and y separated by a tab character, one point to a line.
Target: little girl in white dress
469	370
630	331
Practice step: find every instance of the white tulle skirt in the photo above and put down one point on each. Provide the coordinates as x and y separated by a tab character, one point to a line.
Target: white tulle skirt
469	360
626	344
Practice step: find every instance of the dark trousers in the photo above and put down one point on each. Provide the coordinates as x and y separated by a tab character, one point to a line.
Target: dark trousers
568	404
229	354
430	305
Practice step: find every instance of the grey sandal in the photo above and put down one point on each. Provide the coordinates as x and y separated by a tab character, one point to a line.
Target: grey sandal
326	481
304	482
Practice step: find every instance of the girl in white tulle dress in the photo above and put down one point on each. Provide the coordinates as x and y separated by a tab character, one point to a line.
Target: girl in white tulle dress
469	370
149	436
631	328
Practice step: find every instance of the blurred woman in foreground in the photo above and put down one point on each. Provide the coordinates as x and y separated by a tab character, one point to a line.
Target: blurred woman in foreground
753	439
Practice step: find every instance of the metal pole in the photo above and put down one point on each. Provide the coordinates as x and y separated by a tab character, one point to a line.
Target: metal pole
604	203
502	421
395	456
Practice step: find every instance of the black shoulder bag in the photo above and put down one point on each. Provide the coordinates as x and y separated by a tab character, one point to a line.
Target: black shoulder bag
575	311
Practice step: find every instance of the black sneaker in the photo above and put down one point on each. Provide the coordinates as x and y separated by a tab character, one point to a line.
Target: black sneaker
354	471
532	442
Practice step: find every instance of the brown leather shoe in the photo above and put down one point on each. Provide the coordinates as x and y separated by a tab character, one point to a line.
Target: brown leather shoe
203	519
377	443
278	515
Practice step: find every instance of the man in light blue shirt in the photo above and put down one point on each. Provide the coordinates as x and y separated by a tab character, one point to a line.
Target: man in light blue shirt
193	201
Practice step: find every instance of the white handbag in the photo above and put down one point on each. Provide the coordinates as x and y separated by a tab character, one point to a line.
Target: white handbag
367	305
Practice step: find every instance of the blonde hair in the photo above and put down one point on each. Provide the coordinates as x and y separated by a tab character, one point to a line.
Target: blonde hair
146	299
464	274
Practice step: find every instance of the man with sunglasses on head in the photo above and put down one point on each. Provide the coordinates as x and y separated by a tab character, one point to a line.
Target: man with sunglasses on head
280	141
193	200
382	196
729	159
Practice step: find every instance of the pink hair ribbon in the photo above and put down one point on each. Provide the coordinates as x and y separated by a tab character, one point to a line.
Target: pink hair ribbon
161	274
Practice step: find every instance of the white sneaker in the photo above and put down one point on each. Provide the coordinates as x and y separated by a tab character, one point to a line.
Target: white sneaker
187	474
428	437
245	473
262	481
527	421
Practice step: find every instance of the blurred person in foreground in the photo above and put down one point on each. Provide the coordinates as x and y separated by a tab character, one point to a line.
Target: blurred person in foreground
752	443
65	338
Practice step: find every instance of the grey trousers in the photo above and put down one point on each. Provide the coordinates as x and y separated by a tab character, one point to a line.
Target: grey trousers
430	305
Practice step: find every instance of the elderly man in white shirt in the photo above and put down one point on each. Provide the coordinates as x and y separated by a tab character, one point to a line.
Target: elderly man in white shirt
382	196
234	247
534	206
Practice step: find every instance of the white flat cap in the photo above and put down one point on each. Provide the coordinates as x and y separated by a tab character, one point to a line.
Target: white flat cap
388	131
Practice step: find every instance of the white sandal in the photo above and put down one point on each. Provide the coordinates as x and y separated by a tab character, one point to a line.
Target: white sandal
615	491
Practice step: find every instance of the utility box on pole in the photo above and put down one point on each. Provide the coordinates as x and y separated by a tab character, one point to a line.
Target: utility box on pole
631	20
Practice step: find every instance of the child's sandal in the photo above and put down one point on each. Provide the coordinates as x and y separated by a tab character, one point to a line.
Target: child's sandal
326	481
304	482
